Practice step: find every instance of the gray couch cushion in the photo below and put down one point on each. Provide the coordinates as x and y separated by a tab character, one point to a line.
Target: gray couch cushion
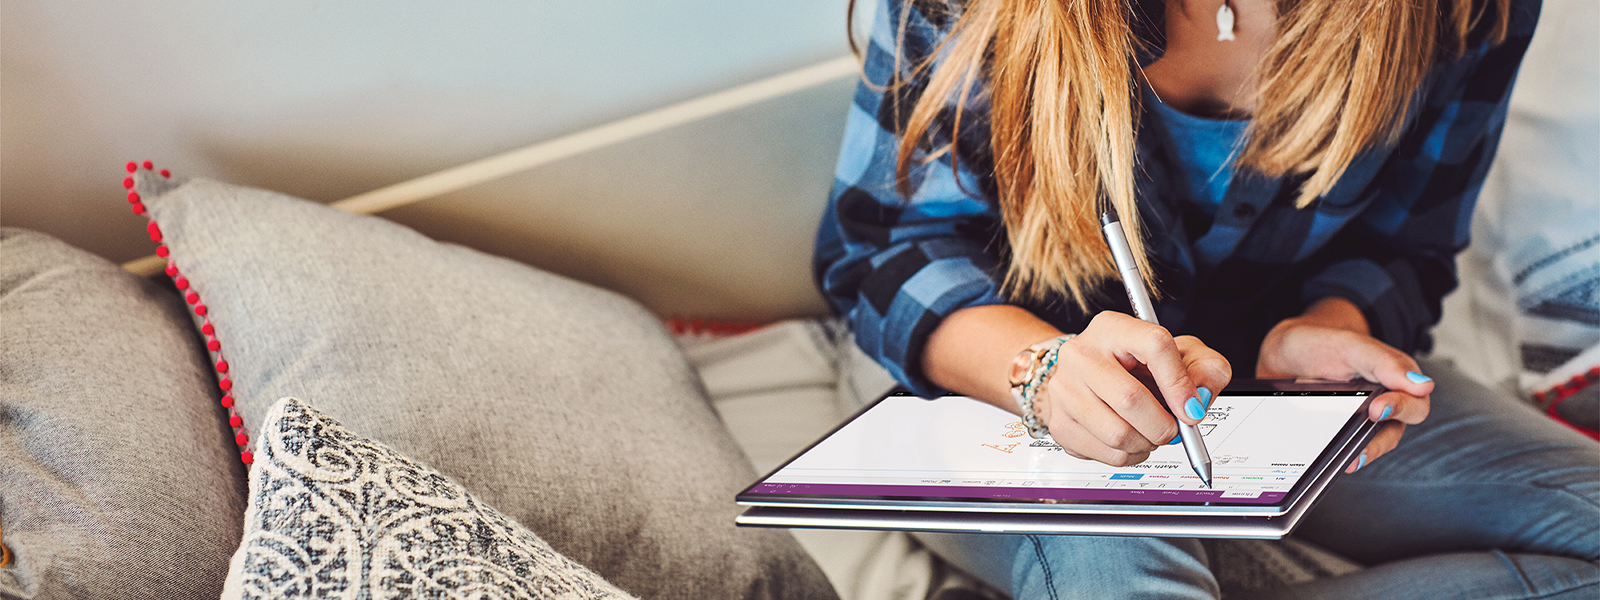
565	406
335	515
118	478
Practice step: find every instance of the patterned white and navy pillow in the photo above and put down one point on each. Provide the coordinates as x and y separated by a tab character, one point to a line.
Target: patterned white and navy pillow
334	515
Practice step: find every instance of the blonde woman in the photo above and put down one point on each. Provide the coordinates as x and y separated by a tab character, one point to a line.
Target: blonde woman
1296	176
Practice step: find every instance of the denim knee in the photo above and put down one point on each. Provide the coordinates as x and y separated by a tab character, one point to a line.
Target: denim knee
1062	567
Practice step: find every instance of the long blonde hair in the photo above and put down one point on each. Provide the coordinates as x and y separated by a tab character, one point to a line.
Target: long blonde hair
1062	93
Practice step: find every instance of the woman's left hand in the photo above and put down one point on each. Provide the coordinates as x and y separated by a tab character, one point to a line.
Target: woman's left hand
1330	341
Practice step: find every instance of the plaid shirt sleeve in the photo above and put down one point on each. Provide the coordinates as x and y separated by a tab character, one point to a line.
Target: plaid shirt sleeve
1384	238
1396	261
896	266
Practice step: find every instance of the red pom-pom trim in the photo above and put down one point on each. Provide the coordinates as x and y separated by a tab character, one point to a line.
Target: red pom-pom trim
1561	392
703	327
193	298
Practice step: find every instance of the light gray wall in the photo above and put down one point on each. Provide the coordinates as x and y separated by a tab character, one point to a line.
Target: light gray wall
715	218
325	99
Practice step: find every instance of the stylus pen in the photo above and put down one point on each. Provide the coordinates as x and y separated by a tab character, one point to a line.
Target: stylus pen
1139	297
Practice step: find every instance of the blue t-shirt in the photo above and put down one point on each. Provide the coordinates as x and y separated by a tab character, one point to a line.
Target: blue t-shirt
1206	149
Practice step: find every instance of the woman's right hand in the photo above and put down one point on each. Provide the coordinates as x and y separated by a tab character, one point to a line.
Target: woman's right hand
1098	402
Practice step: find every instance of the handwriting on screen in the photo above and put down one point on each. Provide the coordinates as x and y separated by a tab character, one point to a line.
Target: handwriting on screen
1223	420
1016	429
1222	413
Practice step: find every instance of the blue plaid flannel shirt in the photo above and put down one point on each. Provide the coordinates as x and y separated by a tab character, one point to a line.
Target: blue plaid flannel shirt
1385	237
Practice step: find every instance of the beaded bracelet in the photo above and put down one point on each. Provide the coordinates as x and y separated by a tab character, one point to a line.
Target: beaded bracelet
1030	370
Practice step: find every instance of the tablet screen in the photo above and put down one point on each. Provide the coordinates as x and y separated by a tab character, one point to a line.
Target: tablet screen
957	448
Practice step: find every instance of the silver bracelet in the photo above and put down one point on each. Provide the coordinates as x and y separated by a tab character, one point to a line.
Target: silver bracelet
1030	370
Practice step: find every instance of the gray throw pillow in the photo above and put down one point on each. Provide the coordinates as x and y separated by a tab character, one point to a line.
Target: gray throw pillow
118	477
566	407
334	515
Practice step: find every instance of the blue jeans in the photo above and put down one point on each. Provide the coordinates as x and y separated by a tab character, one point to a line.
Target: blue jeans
1487	498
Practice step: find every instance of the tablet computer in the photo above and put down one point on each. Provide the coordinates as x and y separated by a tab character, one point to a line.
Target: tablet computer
958	464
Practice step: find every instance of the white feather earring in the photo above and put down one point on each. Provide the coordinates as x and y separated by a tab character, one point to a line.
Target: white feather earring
1225	22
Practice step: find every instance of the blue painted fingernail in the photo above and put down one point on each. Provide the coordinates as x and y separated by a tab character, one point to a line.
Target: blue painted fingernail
1177	439
1387	410
1205	396
1416	377
1362	461
1194	409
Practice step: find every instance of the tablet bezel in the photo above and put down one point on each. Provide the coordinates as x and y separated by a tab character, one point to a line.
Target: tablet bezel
1357	429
